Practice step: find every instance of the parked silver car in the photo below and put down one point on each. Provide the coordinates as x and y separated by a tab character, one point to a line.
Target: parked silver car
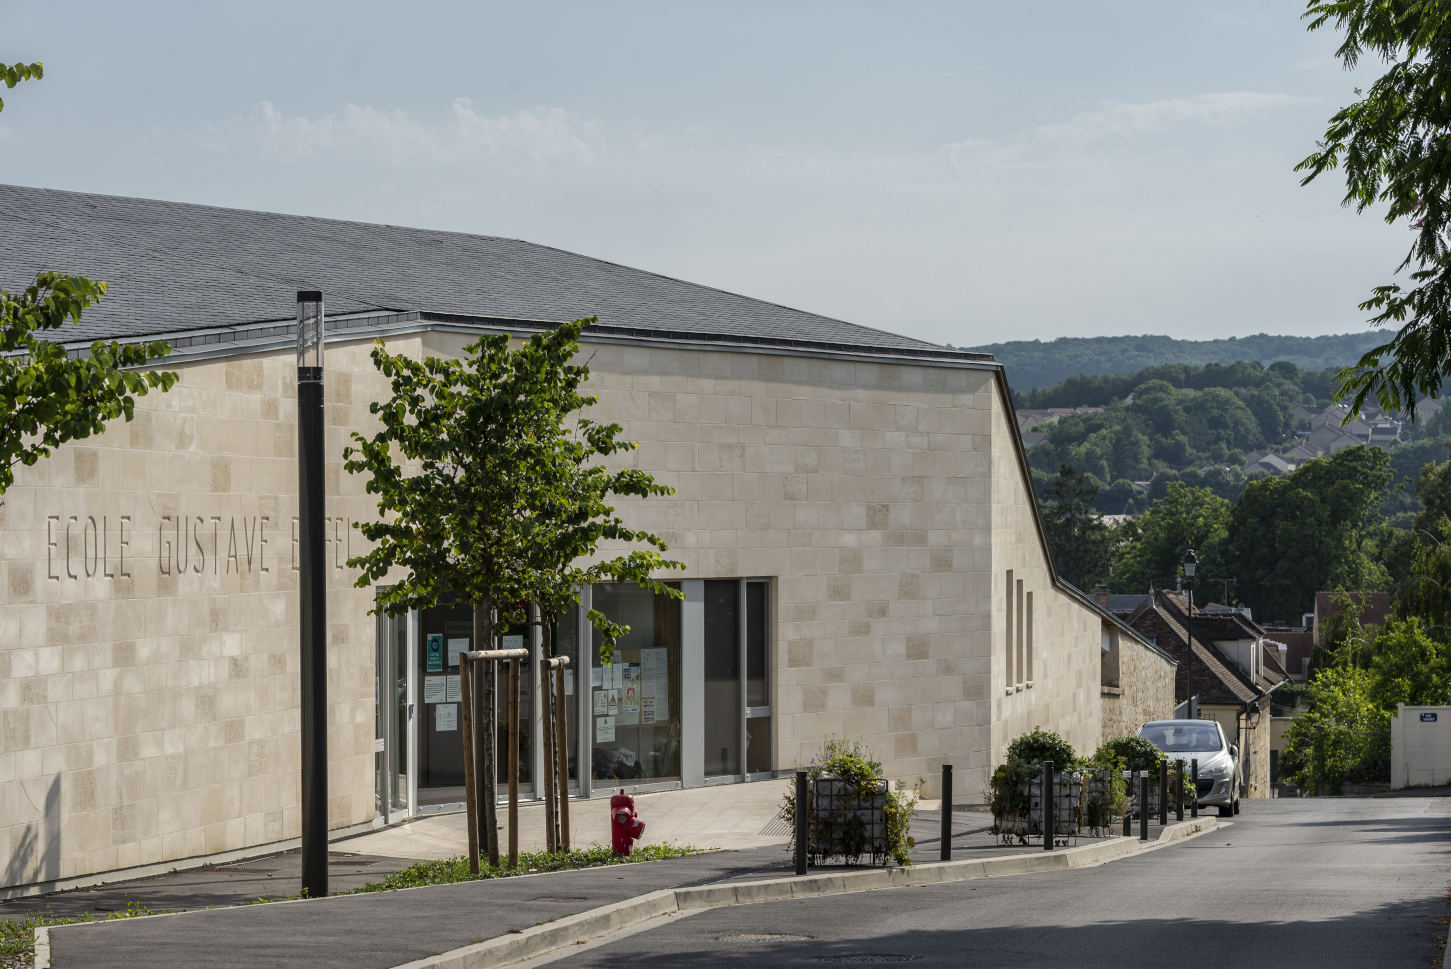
1218	759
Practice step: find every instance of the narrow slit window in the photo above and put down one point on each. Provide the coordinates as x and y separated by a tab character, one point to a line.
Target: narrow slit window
1008	665
1022	660
1030	637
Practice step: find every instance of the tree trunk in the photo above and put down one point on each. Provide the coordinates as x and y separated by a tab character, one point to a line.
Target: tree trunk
546	731
486	734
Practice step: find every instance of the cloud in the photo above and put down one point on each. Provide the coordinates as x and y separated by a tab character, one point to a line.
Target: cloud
1221	110
458	135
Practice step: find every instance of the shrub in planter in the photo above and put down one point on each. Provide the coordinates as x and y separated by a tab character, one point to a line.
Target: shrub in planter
1134	753
1038	745
849	762
1007	795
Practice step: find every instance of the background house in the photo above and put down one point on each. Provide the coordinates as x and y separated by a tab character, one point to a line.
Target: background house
1232	670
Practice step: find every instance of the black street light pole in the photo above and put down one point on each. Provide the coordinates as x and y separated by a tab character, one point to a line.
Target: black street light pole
1191	564
312	591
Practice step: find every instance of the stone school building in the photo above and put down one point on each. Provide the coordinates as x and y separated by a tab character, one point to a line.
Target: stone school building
863	555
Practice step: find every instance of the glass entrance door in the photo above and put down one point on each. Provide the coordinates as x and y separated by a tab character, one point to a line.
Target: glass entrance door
737	679
393	719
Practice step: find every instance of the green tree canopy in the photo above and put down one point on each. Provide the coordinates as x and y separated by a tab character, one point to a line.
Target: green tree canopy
1393	147
1314	529
1082	545
493	488
1153	548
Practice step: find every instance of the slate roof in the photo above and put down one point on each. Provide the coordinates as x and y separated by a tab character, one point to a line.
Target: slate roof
175	267
1227	683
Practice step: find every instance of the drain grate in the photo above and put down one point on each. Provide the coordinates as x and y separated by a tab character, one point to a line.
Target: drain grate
748	937
559	898
869	958
235	870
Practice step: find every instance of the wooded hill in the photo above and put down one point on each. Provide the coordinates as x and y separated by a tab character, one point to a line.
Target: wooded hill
1033	363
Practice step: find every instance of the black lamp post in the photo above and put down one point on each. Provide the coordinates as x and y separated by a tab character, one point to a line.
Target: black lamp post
312	591
1191	565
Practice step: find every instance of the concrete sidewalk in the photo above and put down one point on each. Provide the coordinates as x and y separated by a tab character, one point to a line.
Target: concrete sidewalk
487	923
217	927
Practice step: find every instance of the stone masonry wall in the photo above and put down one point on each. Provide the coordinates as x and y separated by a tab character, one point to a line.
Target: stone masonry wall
148	642
1146	690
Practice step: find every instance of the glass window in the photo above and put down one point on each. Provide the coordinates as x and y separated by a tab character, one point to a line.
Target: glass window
636	699
758	693
723	711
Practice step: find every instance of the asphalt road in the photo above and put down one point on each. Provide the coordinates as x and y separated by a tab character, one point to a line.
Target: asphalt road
1293	883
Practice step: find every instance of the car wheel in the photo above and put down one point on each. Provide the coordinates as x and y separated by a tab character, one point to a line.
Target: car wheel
1236	806
1224	810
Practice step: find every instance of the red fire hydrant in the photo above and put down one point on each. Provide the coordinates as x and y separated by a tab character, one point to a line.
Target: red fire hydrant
625	824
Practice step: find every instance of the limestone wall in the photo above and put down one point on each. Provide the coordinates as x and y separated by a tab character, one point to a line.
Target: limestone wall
1045	644
862	489
148	644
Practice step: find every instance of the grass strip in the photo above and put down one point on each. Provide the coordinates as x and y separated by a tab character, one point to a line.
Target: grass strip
456	869
17	936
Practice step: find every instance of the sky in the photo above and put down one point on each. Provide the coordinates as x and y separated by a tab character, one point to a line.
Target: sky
964	173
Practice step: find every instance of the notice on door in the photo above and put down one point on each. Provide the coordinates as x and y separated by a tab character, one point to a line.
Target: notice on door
435	689
445	717
435	652
456	646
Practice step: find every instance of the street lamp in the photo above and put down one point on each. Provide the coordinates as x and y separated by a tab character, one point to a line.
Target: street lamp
312	591
1191	565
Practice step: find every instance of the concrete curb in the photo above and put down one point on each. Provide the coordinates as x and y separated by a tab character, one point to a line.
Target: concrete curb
42	947
541	939
608	919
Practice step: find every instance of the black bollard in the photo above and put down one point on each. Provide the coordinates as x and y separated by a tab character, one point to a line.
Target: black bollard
1129	811
1179	789
1163	792
801	822
1143	805
1194	777
1047	805
946	812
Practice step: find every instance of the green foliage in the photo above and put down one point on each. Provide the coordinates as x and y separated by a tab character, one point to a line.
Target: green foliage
1314	529
1130	752
13	74
1426	592
1153	547
1409	666
492	488
17	936
1392	147
851	761
1082	545
456	869
48	397
1039	745
1343	736
1135	753
1078	363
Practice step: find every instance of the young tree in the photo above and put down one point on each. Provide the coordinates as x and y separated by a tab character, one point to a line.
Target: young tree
1394	149
47	396
494	491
